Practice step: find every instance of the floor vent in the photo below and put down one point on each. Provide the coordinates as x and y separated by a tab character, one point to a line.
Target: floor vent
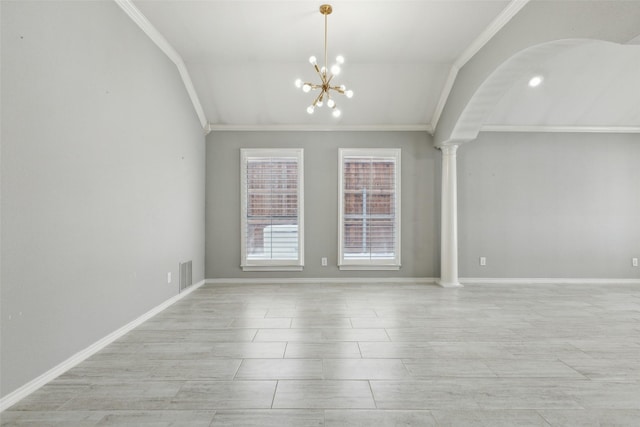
185	275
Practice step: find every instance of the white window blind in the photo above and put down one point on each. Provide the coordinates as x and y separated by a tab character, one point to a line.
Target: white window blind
272	210
370	209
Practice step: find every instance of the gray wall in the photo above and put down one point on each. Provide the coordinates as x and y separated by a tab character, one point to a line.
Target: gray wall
549	205
102	180
420	200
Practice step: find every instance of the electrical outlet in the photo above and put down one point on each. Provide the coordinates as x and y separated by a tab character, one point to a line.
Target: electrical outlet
324	261
169	277
483	261
634	262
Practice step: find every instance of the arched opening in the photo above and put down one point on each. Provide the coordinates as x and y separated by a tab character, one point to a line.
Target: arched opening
585	86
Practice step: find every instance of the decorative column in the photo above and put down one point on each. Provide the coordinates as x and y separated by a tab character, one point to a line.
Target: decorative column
449	219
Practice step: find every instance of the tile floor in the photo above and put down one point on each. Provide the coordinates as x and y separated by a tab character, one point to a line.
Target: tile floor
363	355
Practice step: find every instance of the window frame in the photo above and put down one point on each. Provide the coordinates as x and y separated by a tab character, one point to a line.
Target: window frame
271	264
369	264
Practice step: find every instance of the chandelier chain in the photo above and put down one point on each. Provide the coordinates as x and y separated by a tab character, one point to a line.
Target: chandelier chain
325	42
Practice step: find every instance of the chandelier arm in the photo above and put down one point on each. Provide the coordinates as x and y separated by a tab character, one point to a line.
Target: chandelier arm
337	89
322	77
330	99
317	99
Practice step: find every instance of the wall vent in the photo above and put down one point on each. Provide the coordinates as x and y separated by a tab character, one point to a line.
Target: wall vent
185	275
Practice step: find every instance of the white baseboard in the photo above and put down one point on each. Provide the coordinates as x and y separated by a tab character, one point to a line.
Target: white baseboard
548	281
344	280
423	280
33	385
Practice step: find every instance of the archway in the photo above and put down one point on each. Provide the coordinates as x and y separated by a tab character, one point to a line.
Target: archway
588	85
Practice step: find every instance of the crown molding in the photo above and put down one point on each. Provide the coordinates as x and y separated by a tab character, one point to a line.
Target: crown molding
560	129
152	32
478	43
444	95
319	128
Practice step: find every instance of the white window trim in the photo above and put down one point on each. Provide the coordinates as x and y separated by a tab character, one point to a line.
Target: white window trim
362	265
271	265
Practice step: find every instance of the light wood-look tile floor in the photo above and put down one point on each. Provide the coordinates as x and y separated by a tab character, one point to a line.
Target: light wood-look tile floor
363	355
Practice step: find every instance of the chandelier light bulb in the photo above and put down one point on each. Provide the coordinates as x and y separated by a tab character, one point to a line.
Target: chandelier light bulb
340	59
349	94
343	88
319	104
335	70
336	113
310	109
298	83
313	60
331	103
306	88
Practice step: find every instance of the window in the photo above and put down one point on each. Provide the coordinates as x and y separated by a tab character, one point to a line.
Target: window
369	209
272	209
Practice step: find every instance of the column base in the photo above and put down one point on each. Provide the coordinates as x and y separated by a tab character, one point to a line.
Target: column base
449	284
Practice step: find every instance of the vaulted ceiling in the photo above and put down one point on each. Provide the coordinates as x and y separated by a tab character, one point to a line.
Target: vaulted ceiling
401	57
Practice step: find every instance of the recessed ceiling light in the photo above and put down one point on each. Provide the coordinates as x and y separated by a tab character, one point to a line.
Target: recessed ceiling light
535	81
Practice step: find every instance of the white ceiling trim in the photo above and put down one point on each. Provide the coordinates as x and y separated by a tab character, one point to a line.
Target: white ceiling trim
318	128
134	13
561	129
444	95
496	25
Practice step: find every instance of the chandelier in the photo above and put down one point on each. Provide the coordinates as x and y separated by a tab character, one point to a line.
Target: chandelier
326	76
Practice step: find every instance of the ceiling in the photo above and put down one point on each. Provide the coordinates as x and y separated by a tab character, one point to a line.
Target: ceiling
244	56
